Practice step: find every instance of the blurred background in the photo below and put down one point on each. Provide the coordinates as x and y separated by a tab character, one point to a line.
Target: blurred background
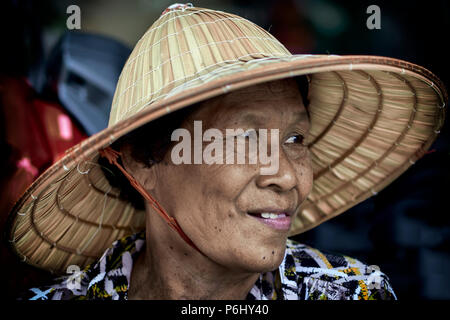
56	86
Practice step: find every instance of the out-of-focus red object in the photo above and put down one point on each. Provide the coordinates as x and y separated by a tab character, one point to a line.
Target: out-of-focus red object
37	133
290	27
34	133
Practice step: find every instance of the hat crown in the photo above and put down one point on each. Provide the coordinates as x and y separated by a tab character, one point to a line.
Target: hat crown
184	44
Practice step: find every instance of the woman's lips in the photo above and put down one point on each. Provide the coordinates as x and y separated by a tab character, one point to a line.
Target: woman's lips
276	220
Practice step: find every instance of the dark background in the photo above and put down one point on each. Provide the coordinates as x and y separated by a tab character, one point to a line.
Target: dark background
405	229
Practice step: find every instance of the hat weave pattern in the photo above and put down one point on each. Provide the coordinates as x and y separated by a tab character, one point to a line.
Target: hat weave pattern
183	46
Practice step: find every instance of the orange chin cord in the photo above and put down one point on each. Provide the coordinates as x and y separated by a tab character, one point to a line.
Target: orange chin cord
112	156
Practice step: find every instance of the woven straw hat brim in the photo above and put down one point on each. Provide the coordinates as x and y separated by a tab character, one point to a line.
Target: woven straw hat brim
371	119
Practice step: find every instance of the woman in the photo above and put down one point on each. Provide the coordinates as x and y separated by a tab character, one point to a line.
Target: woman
223	219
194	222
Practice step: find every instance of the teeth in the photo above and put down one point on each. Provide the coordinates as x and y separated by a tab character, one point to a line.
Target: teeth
269	215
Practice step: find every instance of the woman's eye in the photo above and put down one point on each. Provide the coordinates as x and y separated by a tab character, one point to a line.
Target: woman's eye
297	139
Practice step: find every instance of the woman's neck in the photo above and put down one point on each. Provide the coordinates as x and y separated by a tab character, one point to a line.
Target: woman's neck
171	274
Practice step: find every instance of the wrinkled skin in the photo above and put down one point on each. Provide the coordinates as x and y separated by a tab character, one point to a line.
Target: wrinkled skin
211	202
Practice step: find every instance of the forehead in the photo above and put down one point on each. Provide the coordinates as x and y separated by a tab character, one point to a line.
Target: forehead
262	103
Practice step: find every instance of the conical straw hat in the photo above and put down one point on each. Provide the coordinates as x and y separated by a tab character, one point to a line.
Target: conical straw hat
372	118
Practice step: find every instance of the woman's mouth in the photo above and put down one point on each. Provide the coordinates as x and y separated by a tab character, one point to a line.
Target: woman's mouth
276	220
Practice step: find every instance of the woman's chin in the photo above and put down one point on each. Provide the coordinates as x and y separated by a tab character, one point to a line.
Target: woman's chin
261	261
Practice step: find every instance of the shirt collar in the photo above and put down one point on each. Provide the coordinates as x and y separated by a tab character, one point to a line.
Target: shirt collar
110	275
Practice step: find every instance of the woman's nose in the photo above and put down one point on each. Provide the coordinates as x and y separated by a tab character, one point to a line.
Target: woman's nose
284	179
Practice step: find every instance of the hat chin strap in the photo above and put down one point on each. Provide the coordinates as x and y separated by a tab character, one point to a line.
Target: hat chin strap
112	156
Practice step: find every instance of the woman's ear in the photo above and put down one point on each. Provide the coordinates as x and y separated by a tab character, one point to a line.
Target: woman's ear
145	175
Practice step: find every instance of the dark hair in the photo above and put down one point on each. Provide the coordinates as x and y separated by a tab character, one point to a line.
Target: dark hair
150	143
303	87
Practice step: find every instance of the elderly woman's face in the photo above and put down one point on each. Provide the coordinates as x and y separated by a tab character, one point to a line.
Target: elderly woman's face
235	215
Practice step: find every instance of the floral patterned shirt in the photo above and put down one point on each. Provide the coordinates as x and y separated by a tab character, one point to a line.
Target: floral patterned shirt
305	274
